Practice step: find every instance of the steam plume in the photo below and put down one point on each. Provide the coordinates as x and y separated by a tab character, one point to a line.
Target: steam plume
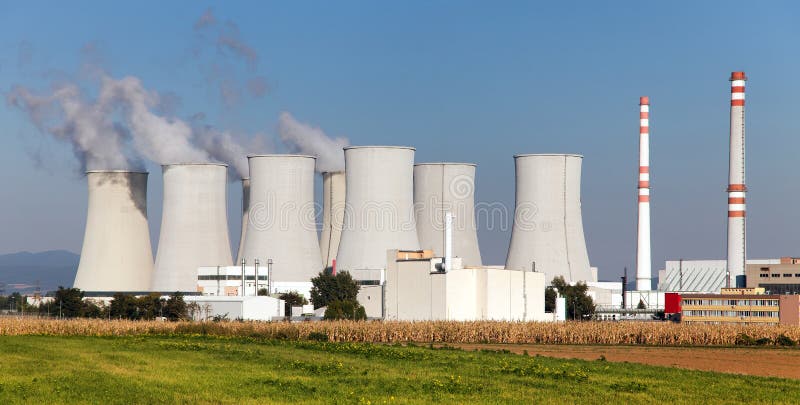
304	138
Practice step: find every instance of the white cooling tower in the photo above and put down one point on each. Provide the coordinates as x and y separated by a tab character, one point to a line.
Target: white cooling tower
379	209
281	225
194	225
333	193
548	228
116	253
447	187
245	214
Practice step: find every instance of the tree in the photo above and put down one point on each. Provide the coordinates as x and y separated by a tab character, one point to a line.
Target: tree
328	288
550	299
263	292
349	309
175	308
641	305
124	306
292	299
579	304
69	302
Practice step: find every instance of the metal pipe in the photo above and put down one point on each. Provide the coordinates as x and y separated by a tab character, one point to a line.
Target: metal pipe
448	241
256	275
242	292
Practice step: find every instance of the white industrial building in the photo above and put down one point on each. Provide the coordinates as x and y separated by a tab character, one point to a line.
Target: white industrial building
701	276
249	308
227	281
416	287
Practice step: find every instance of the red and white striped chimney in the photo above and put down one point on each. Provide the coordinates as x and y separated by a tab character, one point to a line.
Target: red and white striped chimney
643	270
737	245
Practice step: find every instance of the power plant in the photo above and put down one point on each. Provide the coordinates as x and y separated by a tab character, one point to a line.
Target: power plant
737	235
643	261
116	253
194	225
441	188
333	195
547	235
379	208
281	229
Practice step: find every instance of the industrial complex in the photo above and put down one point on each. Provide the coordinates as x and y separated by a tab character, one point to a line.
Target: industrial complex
406	231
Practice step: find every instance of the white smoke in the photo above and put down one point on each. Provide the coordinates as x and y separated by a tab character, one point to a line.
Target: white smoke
97	141
300	137
223	147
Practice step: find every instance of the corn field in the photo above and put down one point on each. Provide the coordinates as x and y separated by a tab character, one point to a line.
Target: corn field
638	333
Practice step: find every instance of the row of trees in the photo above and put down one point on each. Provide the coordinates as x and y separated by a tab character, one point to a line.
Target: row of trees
70	303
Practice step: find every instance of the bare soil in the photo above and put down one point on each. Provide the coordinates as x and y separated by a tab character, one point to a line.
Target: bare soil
768	362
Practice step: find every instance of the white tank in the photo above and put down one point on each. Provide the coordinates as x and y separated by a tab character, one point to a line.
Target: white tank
116	253
447	187
245	214
194	225
281	224
379	206
333	194
548	227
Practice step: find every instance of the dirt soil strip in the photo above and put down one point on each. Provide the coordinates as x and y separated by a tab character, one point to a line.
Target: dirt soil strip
768	362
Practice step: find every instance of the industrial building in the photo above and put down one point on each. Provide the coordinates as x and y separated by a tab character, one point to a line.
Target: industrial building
250	308
775	278
417	286
547	235
227	281
708	276
743	306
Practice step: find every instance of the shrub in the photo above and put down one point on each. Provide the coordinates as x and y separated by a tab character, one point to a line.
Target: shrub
784	340
347	309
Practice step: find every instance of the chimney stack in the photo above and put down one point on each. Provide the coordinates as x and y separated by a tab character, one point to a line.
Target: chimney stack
643	271
737	245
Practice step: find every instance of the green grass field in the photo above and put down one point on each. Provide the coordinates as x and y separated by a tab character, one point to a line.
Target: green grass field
48	369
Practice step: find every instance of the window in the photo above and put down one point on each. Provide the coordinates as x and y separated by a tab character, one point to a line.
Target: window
797	274
787	275
764	275
765	269
776	275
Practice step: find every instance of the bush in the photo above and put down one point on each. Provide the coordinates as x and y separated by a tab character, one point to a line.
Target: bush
328	288
784	340
318	336
348	309
292	299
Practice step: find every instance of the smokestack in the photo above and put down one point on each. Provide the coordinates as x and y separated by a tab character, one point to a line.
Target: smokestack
443	187
379	213
737	244
245	216
333	194
116	253
282	224
643	270
194	225
548	227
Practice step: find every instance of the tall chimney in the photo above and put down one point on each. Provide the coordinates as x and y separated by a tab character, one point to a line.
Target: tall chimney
643	271
737	245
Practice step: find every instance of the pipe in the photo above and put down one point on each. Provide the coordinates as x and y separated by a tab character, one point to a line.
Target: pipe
448	241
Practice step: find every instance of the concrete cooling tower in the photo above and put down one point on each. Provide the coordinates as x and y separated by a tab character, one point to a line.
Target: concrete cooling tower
194	225
379	207
548	228
245	214
281	224
116	253
447	187
333	193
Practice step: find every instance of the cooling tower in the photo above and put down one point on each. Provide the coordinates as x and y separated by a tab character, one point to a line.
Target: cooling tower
245	214
116	253
447	187
737	242
378	206
194	225
281	224
548	228
333	192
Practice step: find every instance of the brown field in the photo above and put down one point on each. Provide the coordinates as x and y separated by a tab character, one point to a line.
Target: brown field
565	333
767	362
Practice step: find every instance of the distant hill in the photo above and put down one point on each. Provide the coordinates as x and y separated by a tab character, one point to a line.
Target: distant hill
21	271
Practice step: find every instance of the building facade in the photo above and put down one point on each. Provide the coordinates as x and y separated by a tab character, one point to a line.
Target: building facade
781	278
744	306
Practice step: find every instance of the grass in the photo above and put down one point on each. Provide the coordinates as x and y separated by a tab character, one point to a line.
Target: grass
185	369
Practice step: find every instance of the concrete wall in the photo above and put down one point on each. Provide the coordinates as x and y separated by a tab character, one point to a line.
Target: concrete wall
116	253
333	195
245	216
790	309
371	297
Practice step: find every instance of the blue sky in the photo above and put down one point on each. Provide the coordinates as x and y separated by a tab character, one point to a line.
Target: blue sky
460	81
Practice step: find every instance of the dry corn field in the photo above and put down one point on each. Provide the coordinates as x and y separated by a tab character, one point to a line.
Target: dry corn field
644	333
